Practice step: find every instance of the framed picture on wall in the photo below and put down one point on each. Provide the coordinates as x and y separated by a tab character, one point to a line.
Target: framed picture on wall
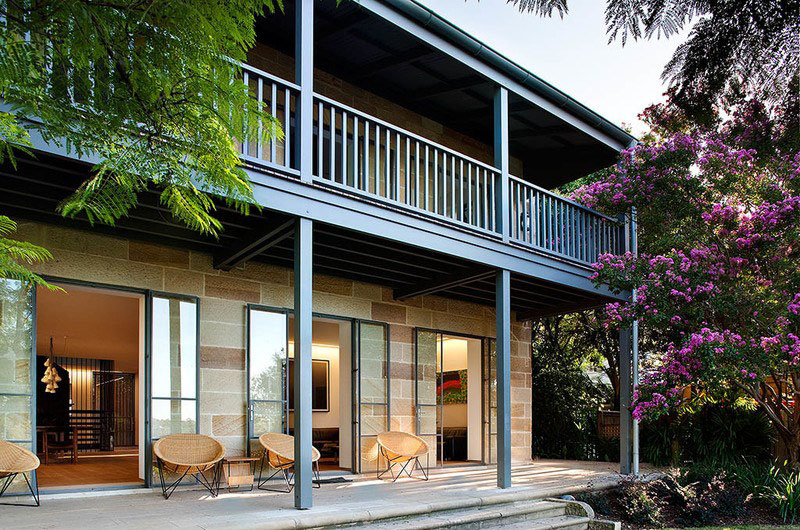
320	385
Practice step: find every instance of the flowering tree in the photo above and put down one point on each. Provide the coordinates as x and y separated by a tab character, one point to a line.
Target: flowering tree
718	281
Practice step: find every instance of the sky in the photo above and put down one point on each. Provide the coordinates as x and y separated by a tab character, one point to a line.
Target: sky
572	54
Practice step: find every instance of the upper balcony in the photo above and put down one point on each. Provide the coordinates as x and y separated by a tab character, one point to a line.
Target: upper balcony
367	157
425	160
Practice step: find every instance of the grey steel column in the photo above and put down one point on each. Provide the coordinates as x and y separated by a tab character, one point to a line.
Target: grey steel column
501	159
635	351
304	74
503	315
302	363
625	401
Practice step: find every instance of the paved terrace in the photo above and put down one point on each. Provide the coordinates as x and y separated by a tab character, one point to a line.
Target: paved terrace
361	500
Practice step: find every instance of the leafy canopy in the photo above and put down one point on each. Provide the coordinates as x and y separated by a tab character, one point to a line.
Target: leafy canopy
148	88
718	279
733	46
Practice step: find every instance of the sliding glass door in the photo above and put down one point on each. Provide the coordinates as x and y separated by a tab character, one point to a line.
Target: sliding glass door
371	391
17	367
427	382
267	359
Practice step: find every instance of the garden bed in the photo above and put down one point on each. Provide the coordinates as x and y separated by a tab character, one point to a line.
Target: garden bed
681	500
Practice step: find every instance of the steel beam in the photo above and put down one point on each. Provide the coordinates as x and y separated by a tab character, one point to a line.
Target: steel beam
253	248
501	159
503	316
442	283
303	315
625	401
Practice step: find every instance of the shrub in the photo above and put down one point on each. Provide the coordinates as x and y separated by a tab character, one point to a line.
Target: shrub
784	493
639	506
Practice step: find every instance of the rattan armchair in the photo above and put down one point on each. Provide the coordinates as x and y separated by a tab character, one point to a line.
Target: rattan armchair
16	460
279	455
189	454
403	449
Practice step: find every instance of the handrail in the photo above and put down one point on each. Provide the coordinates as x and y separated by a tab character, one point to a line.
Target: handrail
405	132
562	198
543	220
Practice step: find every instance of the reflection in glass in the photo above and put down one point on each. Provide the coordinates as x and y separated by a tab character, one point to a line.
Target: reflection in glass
174	356
267	417
172	416
267	344
16	332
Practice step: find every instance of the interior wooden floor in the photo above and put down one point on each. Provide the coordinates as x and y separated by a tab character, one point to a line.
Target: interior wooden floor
120	467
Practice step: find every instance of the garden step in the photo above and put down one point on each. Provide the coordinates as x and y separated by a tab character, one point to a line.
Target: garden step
531	514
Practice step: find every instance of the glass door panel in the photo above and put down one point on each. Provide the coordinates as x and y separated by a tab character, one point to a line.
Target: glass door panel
17	368
173	366
372	388
490	403
267	359
428	402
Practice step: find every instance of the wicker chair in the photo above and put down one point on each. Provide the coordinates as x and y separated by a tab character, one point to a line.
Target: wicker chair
16	460
279	455
403	449
189	454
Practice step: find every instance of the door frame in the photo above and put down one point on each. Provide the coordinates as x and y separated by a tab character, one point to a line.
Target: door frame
148	368
145	414
485	348
354	352
356	386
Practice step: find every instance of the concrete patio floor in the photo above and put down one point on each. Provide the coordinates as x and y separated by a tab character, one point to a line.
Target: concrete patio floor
362	500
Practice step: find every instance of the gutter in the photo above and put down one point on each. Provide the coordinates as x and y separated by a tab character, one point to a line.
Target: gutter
469	44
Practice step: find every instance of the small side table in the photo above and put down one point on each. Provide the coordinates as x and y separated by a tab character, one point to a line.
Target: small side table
239	471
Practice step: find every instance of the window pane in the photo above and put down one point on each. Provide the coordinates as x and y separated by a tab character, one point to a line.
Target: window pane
427	361
428	423
373	419
16	328
373	368
267	354
173	416
174	348
267	417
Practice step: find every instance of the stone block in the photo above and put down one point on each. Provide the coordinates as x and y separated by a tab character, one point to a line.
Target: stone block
367	291
158	254
101	269
345	306
222	358
232	288
389	312
228	425
85	242
182	281
222	310
330	284
422	318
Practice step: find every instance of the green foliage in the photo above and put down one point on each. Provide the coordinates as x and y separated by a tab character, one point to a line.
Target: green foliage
150	88
565	401
718	433
15	255
732	46
784	493
640	506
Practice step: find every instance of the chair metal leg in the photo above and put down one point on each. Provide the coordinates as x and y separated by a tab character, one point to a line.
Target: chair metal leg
167	491
33	490
315	470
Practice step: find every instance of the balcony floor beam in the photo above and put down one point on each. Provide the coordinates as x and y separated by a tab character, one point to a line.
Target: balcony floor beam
442	283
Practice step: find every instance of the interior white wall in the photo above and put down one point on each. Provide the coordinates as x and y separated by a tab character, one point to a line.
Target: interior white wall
345	395
474	416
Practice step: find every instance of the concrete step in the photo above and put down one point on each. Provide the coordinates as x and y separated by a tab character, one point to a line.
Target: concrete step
529	514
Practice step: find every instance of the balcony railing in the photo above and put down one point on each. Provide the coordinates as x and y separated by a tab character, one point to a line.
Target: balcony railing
544	220
279	98
360	154
371	157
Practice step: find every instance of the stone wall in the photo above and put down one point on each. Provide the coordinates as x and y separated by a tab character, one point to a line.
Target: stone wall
88	256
